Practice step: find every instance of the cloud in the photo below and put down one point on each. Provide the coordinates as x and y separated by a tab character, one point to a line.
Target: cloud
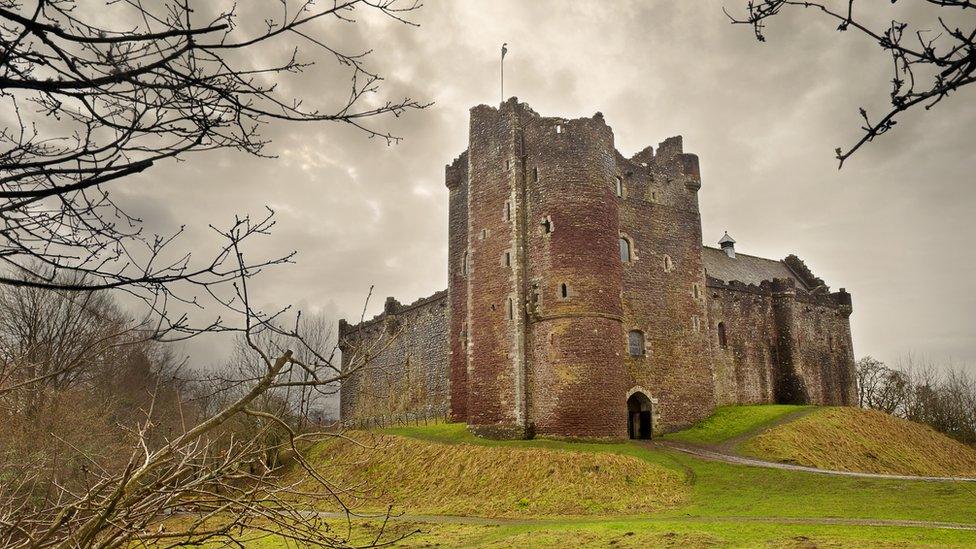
894	227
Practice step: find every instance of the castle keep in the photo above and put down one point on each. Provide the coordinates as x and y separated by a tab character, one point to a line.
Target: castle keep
581	302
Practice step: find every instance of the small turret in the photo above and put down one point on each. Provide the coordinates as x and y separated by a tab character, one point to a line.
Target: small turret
728	245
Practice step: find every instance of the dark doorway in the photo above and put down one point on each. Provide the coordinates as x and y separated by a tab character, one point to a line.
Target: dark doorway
639	423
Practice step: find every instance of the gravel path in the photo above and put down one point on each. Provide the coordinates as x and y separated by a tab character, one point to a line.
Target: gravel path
482	521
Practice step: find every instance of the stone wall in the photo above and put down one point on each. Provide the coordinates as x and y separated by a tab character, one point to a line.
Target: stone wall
783	344
399	362
663	283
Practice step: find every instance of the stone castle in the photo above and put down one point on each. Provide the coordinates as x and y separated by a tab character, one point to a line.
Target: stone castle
581	302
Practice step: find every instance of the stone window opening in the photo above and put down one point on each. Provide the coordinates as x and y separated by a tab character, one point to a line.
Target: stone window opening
626	250
508	210
484	234
535	174
620	186
559	128
635	343
696	290
564	291
654	196
507	259
511	309
508	164
669	265
723	340
547	225
465	263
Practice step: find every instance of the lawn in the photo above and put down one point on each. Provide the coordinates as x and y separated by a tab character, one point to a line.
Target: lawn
729	422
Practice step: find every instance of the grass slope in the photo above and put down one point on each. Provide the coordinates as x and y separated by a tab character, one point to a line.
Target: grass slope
851	439
496	481
729	422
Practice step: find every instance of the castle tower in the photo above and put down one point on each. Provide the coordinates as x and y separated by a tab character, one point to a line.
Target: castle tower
541	294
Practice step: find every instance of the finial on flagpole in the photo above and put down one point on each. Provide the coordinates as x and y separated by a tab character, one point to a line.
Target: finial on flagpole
504	51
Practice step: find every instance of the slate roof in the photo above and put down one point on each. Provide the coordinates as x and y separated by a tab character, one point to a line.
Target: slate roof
745	268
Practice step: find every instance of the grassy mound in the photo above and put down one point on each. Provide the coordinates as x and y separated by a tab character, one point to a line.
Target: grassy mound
851	439
729	422
422	477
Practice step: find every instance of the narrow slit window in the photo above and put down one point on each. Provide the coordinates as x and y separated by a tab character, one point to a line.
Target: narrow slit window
507	259
669	265
508	164
547	225
559	128
563	290
508	210
620	186
635	343
625	251
723	341
535	174
464	263
511	308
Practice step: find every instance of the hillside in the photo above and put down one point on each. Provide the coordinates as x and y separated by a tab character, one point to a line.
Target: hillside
494	481
851	439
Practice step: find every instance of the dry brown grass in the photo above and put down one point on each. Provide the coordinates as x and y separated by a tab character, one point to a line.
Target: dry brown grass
422	477
851	439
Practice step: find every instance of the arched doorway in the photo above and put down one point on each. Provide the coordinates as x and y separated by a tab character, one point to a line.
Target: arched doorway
639	423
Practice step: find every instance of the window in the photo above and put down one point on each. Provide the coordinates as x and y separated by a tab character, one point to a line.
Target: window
507	259
464	263
635	343
559	128
535	174
484	234
653	196
508	164
620	187
695	323
625	252
669	265
564	291
508	210
696	290
511	308
546	225
723	341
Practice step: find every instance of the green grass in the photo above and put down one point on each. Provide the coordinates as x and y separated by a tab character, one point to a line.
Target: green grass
723	490
729	422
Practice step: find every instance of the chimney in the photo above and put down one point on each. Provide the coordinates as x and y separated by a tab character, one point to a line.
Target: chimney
728	245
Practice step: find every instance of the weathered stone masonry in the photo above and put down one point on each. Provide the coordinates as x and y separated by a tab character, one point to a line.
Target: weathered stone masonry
582	303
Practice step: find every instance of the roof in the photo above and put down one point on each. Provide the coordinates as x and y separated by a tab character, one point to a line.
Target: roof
726	239
745	268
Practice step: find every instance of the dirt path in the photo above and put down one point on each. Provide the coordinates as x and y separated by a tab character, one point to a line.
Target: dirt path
482	521
731	446
716	455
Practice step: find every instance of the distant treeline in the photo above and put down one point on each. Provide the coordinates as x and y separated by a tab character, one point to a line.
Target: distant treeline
944	399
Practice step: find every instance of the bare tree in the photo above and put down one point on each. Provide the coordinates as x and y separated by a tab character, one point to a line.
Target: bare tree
928	62
97	95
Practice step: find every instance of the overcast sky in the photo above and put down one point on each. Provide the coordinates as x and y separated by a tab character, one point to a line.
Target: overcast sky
895	226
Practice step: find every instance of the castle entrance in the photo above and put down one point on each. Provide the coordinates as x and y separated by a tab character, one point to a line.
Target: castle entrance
639	414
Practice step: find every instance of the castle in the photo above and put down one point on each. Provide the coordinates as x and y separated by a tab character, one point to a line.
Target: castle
582	303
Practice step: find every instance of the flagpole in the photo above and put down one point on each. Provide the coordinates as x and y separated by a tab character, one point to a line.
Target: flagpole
504	51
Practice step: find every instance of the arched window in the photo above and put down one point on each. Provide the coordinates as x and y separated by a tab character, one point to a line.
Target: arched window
620	186
723	341
625	251
563	290
635	343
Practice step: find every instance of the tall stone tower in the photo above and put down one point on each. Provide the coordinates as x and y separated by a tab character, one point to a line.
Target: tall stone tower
539	278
